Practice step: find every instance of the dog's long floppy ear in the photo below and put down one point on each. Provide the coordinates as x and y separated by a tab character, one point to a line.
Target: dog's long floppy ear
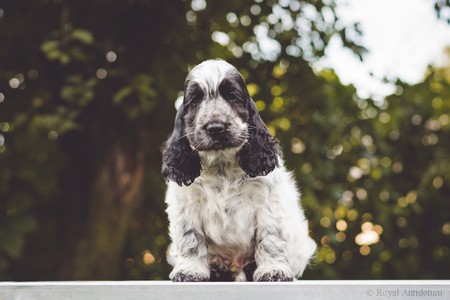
181	163
259	156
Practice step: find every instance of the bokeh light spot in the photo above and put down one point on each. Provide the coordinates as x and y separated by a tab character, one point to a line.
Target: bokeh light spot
111	56
364	250
446	228
148	258
341	225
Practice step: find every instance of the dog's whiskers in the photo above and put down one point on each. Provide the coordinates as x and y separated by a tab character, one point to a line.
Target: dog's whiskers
186	135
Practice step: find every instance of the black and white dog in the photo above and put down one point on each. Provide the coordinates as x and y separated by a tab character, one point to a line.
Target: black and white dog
233	208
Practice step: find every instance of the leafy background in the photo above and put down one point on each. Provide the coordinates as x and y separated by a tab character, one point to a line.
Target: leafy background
87	92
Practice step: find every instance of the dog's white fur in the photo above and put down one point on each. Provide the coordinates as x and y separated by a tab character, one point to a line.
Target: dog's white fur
228	218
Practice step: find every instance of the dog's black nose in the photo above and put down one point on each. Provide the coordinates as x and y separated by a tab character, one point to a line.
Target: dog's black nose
215	128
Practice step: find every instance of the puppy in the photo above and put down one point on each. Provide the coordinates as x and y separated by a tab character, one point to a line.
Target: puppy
233	208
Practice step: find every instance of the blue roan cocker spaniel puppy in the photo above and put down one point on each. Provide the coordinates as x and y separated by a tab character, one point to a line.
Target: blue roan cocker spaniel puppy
233	208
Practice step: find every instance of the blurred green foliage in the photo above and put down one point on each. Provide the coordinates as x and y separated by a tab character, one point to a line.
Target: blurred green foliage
78	78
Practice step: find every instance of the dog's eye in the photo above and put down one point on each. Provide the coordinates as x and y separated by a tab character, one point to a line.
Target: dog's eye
226	89
196	98
229	92
235	97
195	94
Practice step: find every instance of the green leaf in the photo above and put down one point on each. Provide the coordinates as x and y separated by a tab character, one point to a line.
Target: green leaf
49	46
122	94
82	35
64	59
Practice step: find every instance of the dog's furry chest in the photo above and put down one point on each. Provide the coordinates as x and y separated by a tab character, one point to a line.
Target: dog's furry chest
228	214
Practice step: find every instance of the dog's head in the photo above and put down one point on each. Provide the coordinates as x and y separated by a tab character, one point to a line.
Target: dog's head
217	114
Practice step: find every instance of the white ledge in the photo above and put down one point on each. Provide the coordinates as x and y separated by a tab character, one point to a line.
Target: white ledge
160	290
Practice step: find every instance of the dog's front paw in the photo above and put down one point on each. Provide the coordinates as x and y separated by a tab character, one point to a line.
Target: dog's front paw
182	277
274	276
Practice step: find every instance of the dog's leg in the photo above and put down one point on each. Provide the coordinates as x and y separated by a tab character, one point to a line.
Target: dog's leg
271	253
189	255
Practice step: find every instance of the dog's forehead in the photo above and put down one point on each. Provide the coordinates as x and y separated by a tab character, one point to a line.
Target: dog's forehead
210	73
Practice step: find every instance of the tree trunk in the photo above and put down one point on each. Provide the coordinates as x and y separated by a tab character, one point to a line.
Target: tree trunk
115	195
